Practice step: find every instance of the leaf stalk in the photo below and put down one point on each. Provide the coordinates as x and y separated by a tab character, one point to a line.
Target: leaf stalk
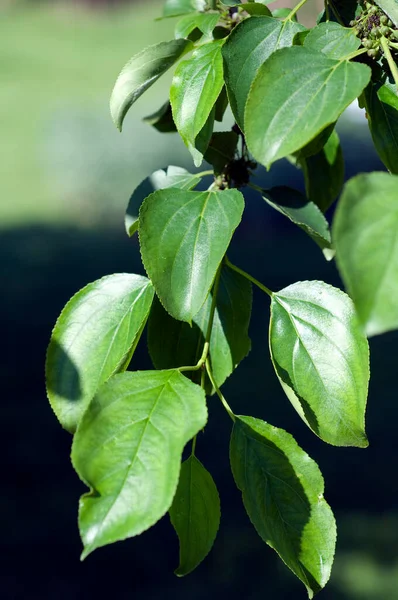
262	287
218	391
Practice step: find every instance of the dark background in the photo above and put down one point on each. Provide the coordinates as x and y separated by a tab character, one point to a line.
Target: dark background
43	265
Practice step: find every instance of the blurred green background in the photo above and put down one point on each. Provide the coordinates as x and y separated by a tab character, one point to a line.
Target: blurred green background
65	178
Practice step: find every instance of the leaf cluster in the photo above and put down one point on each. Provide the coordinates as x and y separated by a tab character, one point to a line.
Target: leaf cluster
286	86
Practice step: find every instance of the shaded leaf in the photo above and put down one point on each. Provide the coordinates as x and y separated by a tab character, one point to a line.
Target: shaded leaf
141	72
345	9
303	213
205	22
128	450
183	237
246	49
256	8
173	343
221	105
195	514
162	119
381	103
321	357
94	337
365	234
324	173
202	140
333	40
317	144
284	113
175	177
221	149
282	490
196	86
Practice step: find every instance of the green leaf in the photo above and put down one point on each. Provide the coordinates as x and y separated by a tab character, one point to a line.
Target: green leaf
175	177
174	8
221	105
303	213
282	13
284	113
174	343
202	140
141	72
196	86
128	448
246	49
365	234
345	9
381	105
94	337
195	514
256	9
162	119
317	144
321	357
324	173
221	149
282	490
390	7
205	22
333	40
183	237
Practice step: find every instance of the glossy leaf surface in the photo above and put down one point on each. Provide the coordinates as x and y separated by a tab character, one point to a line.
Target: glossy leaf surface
284	113
183	237
282	490
205	22
324	173
321	357
195	514
175	177
141	72
196	86
96	332
365	234
247	48
128	449
302	212
333	40
381	103
174	343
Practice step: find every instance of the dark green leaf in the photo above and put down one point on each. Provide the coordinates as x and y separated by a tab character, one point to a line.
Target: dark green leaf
333	40
284	113
246	49
390	7
381	103
196	86
324	173
175	177
205	22
256	8
221	105
321	358
365	234
300	36
282	490
128	449
94	337
141	72
183	237
174	8
221	149
317	144
340	10
303	213
174	343
203	138
282	13
162	119
195	514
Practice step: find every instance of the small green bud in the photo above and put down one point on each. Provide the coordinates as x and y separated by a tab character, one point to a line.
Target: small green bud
389	23
373	53
384	19
385	31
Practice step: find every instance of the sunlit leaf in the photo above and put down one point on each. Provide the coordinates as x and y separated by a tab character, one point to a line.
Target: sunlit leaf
321	357
333	40
205	22
141	72
390	7
128	449
94	337
282	490
365	234
183	237
195	514
174	8
284	113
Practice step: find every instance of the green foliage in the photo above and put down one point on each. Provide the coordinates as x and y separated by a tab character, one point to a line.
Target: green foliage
287	86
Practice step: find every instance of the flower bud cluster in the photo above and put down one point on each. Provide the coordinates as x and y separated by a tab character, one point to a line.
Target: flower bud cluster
371	25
